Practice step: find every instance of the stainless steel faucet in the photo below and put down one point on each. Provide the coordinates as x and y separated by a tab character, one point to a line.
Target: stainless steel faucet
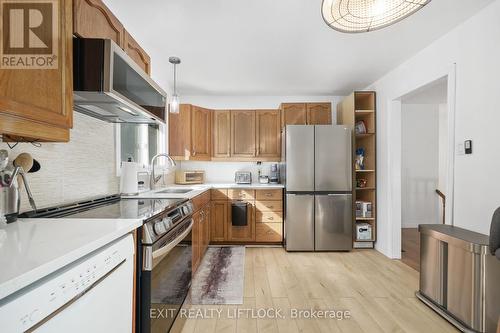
153	180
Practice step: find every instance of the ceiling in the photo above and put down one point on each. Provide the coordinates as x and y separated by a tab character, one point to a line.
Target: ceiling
435	92
278	47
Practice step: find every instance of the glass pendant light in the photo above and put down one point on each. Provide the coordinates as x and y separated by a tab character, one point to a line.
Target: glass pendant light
353	16
174	101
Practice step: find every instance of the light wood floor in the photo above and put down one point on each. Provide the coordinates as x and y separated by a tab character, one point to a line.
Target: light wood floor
378	292
411	247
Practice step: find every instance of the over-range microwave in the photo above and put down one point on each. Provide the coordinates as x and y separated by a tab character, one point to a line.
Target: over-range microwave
109	85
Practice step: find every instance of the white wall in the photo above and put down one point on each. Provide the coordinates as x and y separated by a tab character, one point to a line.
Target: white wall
82	168
224	171
475	49
420	164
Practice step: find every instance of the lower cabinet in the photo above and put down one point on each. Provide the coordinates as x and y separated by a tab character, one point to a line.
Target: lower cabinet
200	234
242	233
196	246
264	216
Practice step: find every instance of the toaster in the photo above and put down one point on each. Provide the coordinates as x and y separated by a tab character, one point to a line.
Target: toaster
243	177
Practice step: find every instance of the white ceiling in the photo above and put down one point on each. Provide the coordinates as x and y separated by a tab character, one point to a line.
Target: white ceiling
275	47
435	92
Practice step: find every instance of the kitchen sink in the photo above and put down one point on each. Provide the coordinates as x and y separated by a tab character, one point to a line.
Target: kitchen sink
176	190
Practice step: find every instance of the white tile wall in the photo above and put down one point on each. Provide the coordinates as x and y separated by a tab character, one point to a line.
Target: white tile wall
223	172
82	168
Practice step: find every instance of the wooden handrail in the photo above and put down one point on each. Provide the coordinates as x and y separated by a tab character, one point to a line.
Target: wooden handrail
443	197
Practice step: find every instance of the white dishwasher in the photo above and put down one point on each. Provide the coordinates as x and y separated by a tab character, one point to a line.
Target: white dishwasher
93	294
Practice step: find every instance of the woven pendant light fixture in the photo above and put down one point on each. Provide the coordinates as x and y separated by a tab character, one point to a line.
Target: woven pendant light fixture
353	16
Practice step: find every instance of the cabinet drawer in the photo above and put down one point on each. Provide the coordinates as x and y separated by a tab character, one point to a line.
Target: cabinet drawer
201	200
269	194
269	206
269	216
241	194
219	194
268	232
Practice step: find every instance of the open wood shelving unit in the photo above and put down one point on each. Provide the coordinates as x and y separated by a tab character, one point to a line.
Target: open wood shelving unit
361	105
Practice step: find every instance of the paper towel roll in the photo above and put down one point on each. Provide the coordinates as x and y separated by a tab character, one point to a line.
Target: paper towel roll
128	180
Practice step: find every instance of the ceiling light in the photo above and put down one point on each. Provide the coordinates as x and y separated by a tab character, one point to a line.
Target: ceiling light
367	15
174	101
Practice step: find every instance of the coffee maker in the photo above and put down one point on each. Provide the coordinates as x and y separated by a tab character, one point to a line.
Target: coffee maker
274	175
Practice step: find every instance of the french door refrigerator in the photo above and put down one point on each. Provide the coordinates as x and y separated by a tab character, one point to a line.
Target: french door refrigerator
318	180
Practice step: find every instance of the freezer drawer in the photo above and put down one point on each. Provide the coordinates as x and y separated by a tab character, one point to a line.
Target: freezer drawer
333	226
299	222
299	158
333	158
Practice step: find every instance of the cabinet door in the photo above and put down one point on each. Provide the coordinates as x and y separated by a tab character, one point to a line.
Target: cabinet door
195	234
268	133
135	51
218	221
206	228
92	19
221	126
243	133
38	103
242	233
200	133
293	114
179	133
319	113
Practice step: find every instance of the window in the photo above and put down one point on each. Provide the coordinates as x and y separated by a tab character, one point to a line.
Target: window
138	143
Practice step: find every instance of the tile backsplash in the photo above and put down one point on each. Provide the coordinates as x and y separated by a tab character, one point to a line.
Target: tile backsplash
82	168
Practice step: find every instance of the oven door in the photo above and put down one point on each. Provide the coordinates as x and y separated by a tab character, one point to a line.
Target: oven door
166	278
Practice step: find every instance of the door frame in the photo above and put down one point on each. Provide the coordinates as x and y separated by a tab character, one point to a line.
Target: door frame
394	156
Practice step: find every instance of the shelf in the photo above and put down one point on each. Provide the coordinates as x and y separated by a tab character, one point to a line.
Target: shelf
363	112
365	188
366	170
365	219
364	240
365	135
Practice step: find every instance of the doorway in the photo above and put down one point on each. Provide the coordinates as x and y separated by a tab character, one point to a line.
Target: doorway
424	162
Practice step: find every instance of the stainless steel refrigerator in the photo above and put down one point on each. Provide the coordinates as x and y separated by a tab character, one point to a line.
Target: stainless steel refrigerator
318	180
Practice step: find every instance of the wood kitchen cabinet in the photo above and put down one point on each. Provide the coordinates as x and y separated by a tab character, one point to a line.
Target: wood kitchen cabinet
37	104
243	133
137	53
306	114
242	233
200	232
189	135
92	19
221	125
218	220
268	135
293	114
319	113
195	241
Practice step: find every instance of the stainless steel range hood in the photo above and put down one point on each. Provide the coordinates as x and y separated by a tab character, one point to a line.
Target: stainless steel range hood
110	86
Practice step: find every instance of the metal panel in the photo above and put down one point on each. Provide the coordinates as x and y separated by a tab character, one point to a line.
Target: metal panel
299	227
333	226
299	158
432	269
333	154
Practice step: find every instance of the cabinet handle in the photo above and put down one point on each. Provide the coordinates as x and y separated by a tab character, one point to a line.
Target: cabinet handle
270	207
269	194
270	218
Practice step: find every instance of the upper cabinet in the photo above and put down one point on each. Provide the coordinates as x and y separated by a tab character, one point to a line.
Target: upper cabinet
135	51
268	134
293	114
243	134
200	133
94	20
37	104
221	126
189	133
319	113
306	114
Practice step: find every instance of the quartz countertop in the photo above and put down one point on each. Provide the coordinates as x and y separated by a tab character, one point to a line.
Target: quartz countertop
200	188
31	249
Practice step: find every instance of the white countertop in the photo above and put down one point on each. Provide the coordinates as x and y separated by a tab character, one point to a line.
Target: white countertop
31	249
200	188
